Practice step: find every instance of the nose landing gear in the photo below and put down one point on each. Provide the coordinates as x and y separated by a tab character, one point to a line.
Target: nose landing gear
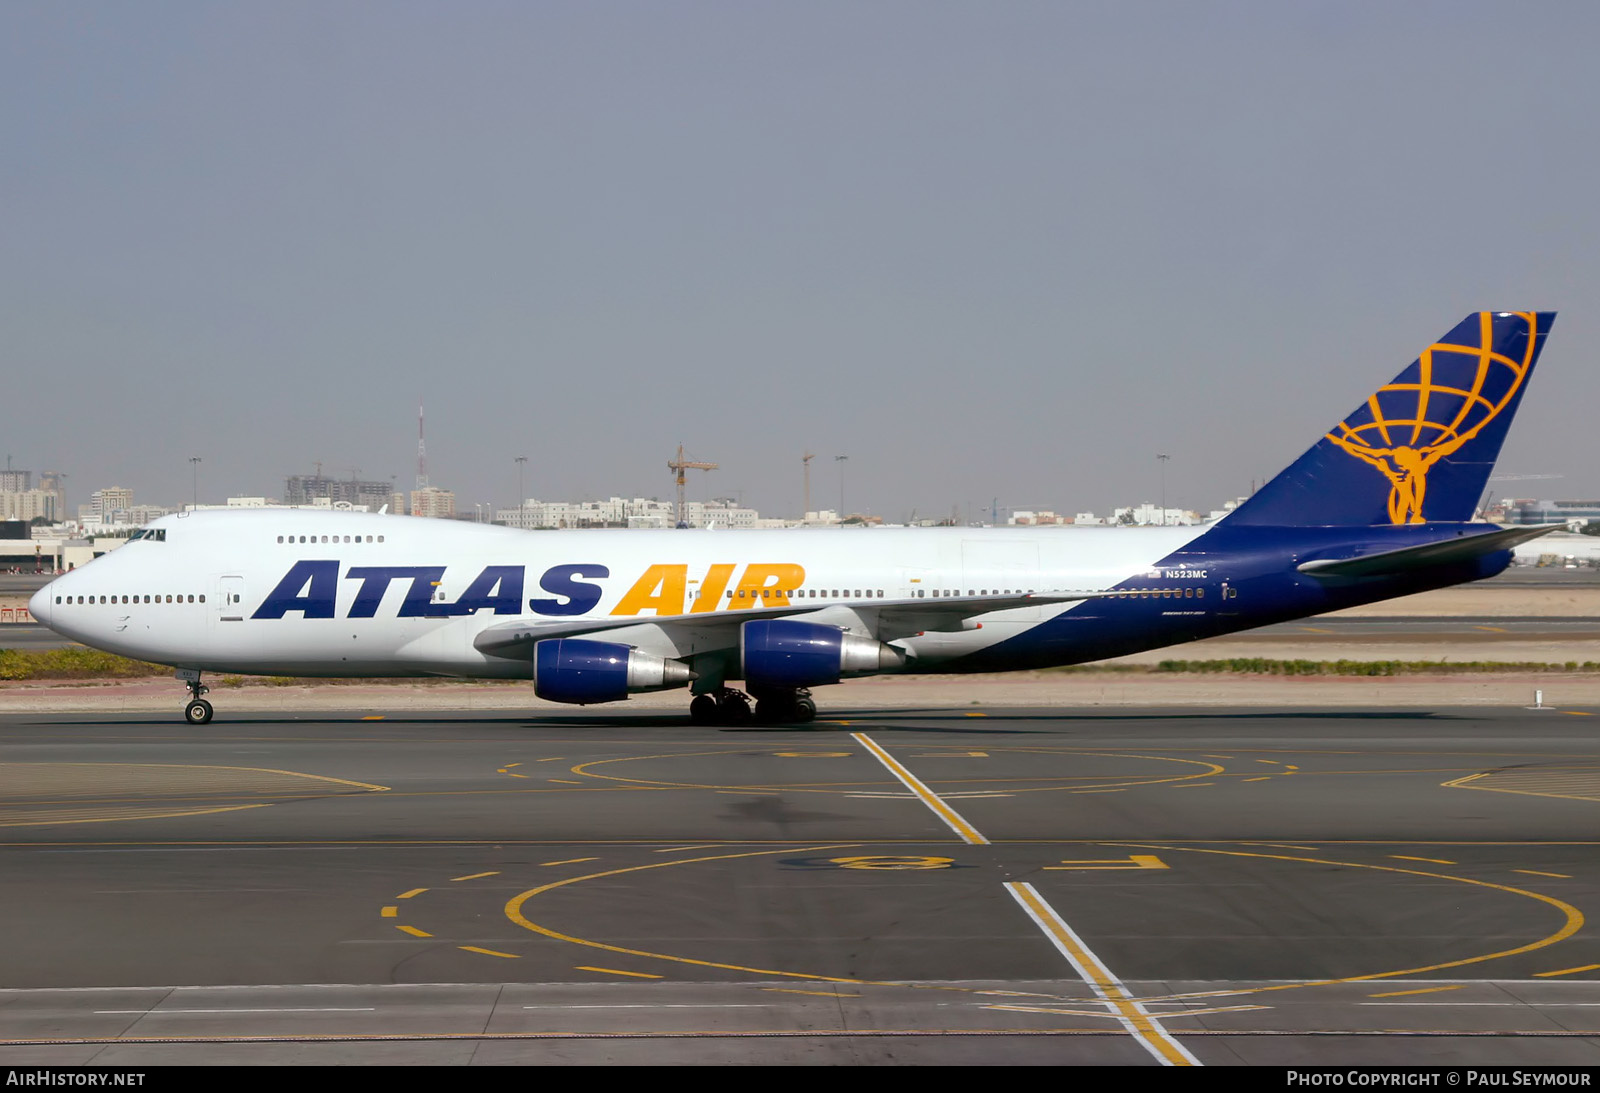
197	711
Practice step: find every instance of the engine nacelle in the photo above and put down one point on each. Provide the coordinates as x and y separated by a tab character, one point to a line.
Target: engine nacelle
789	653
585	672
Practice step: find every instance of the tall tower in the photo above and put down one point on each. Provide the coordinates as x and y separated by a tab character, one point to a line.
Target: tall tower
422	453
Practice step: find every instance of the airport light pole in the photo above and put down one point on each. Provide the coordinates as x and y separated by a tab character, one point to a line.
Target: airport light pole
1162	461
522	501
840	460
194	465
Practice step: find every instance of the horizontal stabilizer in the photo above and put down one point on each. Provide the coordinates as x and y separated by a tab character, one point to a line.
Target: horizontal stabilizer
1410	559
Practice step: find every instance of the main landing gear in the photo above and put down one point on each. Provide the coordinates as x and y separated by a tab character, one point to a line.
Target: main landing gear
728	706
197	711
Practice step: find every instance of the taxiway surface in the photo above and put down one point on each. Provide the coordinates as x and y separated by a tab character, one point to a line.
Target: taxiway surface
921	885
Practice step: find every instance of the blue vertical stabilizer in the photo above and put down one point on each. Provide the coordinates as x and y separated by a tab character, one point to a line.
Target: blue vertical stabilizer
1421	448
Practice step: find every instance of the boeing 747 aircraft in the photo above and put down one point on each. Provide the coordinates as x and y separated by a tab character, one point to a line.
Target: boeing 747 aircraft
1378	507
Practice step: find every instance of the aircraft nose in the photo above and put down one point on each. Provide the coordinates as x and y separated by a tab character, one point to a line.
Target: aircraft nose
39	604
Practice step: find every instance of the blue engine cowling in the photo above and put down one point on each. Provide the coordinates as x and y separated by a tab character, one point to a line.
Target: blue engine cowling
778	653
585	672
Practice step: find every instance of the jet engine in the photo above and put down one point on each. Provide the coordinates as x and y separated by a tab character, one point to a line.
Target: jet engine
780	653
584	672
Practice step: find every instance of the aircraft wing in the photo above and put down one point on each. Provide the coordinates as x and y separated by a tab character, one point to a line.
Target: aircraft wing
1409	559
885	620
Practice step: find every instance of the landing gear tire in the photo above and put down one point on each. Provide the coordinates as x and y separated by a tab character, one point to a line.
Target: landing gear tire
198	712
736	709
724	707
793	708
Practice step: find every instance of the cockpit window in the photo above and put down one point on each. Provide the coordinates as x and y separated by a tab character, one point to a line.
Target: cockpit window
157	535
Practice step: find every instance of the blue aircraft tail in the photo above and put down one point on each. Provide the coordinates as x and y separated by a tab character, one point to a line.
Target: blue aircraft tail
1421	448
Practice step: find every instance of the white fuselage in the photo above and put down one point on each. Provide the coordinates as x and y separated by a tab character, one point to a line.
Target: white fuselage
219	591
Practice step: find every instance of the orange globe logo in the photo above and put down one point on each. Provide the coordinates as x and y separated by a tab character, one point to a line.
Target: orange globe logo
1438	404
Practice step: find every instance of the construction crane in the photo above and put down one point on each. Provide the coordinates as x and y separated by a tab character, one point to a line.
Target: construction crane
680	465
805	461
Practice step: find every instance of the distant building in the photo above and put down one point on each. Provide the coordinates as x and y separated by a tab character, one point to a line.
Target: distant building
16	481
620	512
431	501
29	505
304	489
1573	513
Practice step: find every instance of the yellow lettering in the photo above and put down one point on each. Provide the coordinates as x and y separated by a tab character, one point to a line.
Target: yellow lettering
712	588
775	579
661	589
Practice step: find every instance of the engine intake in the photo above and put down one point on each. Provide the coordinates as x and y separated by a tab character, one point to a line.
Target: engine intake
789	653
584	672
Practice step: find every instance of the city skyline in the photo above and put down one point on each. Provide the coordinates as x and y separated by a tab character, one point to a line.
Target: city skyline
981	252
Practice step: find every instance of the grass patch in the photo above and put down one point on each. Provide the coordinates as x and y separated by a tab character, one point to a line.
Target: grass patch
73	663
1267	666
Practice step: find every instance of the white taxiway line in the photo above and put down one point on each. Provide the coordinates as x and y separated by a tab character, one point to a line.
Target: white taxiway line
1144	1026
950	816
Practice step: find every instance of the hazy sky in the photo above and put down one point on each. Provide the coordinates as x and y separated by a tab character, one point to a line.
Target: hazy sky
986	250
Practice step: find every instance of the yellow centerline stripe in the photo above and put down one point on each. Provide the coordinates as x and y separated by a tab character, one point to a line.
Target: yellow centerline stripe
1566	971
618	971
953	819
1127	1010
1419	990
489	952
476	876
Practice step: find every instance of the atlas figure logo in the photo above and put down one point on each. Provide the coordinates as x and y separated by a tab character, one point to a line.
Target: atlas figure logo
311	588
1435	407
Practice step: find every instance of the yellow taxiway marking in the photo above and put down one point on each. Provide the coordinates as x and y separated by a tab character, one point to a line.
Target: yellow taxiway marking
1566	971
618	971
1216	757
477	876
1193	785
1274	762
1494	629
974	715
1263	778
1118	790
1573	921
567	781
410	894
514	907
811	754
675	849
552	759
1410	857
513	774
820	994
413	931
951	755
1315	630
568	861
489	952
1537	873
373	717
950	816
509	765
391	912
1132	861
1128	1011
1577	713
1419	990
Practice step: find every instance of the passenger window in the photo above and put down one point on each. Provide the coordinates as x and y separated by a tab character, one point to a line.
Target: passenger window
202	597
380	538
1199	593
